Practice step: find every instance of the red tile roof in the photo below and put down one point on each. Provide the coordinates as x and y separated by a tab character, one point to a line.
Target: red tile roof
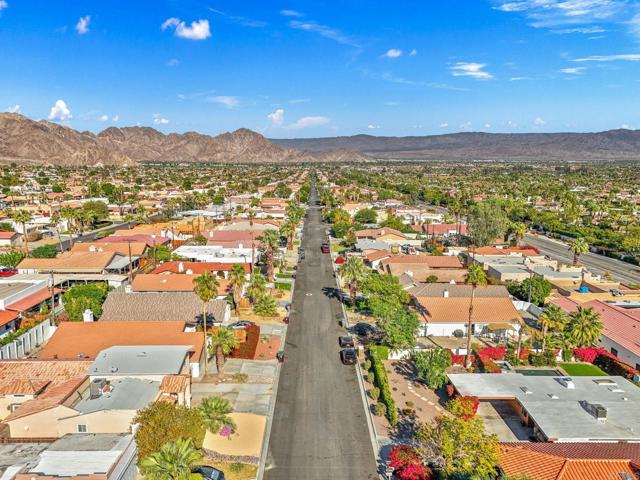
433	261
8	235
198	268
32	300
7	316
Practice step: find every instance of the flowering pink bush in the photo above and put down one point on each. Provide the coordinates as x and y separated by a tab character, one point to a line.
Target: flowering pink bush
406	463
589	354
459	359
494	353
226	431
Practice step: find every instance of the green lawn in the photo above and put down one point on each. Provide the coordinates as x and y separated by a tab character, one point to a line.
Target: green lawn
582	370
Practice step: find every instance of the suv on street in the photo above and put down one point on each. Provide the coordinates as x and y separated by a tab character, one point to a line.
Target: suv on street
348	356
346	341
324	248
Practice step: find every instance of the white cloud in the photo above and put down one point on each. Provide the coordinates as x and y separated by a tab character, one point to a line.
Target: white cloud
413	53
625	126
60	112
465	126
159	119
295	101
324	31
586	30
555	13
307	122
393	53
14	109
474	70
539	122
373	127
444	125
277	117
198	30
291	13
104	118
228	101
631	57
573	70
518	79
244	21
82	27
3	4
487	125
173	62
115	118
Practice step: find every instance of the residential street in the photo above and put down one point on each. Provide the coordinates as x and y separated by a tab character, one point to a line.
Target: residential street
319	428
621	271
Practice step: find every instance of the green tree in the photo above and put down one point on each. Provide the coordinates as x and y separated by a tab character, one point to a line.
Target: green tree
386	287
173	461
366	215
23	217
237	279
518	231
578	247
535	289
394	222
200	239
215	414
6	227
79	298
462	445
265	306
584	327
339	215
475	276
94	211
270	240
223	342
353	272
257	285
399	327
432	365
206	288
282	191
552	318
163	422
288	230
45	251
487	221
11	258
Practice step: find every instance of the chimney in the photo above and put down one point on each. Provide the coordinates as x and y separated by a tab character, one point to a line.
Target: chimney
92	248
189	271
128	288
445	293
87	315
180	267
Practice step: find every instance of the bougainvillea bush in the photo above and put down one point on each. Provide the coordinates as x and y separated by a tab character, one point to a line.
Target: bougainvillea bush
406	463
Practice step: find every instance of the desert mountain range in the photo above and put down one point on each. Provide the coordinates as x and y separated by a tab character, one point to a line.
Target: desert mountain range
42	142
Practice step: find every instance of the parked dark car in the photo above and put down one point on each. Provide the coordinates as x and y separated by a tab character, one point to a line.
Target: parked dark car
346	341
324	248
364	329
208	473
348	356
301	253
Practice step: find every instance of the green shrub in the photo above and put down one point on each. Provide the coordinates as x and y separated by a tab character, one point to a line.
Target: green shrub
374	393
379	409
240	377
236	467
367	365
381	380
283	286
381	351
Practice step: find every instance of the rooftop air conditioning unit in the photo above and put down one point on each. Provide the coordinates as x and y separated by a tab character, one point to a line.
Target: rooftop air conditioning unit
597	410
96	386
567	382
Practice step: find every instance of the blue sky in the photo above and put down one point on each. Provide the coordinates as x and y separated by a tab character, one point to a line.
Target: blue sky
320	68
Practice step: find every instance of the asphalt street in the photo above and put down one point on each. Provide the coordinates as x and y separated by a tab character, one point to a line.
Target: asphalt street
621	271
319	428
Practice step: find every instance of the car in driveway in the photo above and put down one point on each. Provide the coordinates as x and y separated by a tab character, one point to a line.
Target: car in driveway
346	341
239	325
324	248
208	473
364	329
348	356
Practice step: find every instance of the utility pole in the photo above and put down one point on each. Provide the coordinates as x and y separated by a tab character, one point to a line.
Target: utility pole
52	291
130	265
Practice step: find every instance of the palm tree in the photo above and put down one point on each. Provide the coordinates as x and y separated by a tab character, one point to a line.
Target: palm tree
257	285
518	229
237	278
223	342
174	461
353	271
215	414
206	287
288	230
475	276
584	327
23	217
578	247
270	240
55	219
554	318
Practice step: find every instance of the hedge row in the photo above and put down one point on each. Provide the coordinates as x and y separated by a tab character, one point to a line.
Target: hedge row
381	351
283	286
382	382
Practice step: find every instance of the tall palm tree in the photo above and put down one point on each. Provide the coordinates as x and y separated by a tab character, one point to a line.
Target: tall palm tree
518	229
584	327
237	278
55	219
288	230
257	285
578	247
353	271
223	342
554	318
206	287
215	414
174	461
23	217
475	276
270	240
